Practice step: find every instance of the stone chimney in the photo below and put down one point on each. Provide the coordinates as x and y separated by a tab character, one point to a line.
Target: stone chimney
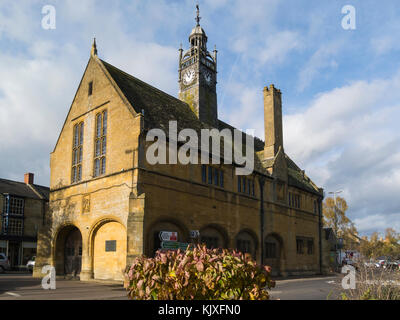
272	122
28	178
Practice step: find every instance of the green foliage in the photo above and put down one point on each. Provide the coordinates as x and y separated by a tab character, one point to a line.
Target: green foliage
198	274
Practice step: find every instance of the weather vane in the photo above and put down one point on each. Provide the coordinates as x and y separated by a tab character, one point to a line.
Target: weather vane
198	18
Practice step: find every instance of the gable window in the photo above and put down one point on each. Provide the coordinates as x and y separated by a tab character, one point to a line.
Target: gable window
77	153
100	144
90	88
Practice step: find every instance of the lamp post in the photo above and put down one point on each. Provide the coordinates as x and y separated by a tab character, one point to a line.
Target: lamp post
335	224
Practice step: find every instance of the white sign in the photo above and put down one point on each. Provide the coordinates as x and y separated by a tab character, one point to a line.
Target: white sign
194	234
168	236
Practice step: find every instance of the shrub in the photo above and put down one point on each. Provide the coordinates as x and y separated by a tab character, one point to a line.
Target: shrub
198	274
374	284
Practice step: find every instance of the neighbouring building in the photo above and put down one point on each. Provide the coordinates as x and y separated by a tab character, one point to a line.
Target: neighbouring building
22	210
108	204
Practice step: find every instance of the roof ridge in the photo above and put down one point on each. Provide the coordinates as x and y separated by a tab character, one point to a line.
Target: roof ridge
23	183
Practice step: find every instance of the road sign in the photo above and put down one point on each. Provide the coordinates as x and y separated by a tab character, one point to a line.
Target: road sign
194	234
174	245
168	236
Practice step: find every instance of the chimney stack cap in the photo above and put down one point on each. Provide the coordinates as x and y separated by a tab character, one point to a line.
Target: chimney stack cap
29	178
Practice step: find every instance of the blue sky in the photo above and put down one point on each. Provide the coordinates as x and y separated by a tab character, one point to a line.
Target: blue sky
341	88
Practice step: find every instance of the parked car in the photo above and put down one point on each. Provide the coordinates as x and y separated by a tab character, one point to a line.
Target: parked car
371	264
391	265
31	263
4	263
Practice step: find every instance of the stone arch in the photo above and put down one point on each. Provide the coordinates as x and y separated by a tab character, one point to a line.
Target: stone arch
153	243
274	253
214	236
67	250
108	248
246	241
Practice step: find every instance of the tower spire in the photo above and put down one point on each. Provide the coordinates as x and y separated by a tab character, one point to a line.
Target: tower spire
198	18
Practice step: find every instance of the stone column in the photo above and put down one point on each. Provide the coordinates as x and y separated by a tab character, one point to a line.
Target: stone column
87	259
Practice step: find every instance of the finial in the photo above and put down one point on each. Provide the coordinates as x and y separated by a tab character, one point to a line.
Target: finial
198	18
94	48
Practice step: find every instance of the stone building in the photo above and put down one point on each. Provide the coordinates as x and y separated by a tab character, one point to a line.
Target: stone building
108	204
22	211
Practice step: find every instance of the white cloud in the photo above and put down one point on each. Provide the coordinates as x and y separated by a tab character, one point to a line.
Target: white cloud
377	223
347	139
322	59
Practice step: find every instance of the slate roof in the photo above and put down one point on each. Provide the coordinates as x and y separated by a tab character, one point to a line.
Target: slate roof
298	178
159	108
21	189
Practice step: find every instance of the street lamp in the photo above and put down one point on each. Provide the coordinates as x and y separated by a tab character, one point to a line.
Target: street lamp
335	223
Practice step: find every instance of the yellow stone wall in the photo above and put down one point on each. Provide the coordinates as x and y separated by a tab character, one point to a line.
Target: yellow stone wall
106	264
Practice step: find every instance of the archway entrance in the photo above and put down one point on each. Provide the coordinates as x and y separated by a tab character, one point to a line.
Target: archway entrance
109	251
273	253
213	237
69	252
246	243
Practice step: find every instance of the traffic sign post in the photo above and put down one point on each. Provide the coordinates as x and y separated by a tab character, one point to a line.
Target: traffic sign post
168	236
174	245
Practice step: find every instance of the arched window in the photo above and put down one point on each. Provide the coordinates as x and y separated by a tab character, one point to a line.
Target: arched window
212	238
77	153
245	243
272	248
100	144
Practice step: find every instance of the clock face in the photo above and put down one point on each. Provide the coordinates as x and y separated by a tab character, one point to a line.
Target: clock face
188	76
207	77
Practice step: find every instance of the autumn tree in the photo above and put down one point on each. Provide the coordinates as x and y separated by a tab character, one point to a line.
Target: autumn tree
334	216
374	246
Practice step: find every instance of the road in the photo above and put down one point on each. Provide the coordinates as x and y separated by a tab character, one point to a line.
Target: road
24	287
315	288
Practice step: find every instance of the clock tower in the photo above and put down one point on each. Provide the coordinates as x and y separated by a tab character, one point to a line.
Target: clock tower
198	76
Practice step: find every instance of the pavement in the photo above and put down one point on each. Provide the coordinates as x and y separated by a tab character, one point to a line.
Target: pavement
21	286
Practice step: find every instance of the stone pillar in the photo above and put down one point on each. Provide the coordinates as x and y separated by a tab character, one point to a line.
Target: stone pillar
87	259
135	228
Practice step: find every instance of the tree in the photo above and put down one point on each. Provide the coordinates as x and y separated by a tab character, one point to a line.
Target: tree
334	216
375	247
